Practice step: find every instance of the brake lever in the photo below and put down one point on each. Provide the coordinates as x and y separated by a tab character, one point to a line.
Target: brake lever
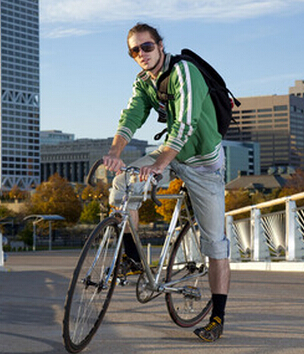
154	181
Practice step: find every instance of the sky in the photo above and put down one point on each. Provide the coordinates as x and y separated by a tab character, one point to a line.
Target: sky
86	75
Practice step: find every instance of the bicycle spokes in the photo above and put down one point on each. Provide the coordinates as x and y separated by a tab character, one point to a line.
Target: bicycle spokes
92	285
188	294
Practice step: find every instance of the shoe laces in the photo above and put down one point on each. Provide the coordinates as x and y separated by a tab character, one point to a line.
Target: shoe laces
213	324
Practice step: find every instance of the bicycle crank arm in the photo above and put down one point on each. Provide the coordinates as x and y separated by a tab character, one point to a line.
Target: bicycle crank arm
188	291
184	279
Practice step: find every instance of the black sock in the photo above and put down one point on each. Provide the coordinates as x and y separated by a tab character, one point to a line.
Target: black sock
130	247
219	304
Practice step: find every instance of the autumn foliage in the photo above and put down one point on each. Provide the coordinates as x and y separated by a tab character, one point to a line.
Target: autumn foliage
167	207
56	196
294	185
245	197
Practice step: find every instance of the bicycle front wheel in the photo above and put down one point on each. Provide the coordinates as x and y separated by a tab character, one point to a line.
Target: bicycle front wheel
190	299
91	286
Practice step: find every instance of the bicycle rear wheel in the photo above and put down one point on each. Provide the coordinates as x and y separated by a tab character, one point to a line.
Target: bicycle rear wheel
191	300
89	293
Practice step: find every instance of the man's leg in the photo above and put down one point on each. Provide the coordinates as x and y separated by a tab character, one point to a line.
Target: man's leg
219	275
207	194
129	244
219	280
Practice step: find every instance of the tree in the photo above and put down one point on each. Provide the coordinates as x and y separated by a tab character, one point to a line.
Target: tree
91	213
17	193
4	212
238	199
167	207
294	185
100	193
147	212
56	196
5	216
26	234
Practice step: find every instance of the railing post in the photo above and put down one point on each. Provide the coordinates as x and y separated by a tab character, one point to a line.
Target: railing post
34	236
149	253
290	230
294	243
1	252
50	235
259	248
234	252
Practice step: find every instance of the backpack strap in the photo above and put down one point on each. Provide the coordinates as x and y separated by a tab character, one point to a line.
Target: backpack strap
163	95
162	82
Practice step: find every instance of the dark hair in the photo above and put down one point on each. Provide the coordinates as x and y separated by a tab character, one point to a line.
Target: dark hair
143	27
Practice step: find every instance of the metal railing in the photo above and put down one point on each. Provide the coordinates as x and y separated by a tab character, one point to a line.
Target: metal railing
268	237
1	253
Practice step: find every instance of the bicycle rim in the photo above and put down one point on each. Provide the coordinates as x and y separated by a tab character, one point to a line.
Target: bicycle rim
192	302
89	295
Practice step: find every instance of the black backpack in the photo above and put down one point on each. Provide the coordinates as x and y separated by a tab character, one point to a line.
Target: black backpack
218	91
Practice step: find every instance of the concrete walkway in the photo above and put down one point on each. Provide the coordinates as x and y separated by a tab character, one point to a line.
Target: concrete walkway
265	313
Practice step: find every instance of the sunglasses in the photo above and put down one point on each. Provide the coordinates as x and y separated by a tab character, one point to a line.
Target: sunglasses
145	47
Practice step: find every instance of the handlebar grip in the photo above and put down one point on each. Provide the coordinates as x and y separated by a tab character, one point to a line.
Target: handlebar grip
91	178
153	191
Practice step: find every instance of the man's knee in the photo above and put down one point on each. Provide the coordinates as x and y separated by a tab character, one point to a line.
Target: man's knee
117	190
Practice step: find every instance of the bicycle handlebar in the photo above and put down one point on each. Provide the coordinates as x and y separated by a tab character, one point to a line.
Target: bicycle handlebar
153	179
91	179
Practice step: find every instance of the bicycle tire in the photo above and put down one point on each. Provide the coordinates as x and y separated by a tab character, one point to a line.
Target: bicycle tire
193	301
88	296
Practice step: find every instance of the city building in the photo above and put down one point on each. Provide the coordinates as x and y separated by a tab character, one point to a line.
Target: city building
19	104
54	137
277	124
242	158
297	89
262	183
72	160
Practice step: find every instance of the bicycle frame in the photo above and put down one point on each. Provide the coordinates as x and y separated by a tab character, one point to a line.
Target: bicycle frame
153	280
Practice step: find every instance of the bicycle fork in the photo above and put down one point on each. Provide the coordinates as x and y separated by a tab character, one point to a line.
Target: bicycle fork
106	238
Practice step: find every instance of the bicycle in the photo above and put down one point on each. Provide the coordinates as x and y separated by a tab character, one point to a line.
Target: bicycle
101	266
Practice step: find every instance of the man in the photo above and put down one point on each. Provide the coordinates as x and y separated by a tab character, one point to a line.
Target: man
192	149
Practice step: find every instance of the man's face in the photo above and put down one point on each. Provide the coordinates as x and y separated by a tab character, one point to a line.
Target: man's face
149	61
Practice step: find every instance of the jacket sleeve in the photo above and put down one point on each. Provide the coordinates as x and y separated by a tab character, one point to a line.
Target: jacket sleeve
190	90
136	113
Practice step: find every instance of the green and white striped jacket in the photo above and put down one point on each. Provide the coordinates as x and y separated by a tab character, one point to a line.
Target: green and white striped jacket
191	118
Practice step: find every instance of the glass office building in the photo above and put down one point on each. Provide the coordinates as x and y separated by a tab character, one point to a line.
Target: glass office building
277	124
19	105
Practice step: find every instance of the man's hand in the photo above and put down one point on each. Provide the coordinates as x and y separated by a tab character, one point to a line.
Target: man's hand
162	161
112	160
113	163
146	171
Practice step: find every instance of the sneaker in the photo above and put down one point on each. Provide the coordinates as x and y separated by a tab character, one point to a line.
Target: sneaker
135	267
212	331
129	266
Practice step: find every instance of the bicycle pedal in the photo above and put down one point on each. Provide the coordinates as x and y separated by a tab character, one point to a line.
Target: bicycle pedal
192	292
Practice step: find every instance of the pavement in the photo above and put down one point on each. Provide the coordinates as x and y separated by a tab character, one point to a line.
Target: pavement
265	313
